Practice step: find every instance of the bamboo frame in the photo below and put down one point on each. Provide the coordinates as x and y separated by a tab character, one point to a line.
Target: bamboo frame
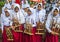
40	29
28	29
9	34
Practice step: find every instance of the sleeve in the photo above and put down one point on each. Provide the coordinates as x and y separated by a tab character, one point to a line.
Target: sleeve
48	25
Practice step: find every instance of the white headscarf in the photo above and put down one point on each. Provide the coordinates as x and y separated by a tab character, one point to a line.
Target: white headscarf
54	9
17	5
8	12
40	4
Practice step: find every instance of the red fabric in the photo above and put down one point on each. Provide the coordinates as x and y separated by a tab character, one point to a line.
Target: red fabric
22	27
38	38
21	36
5	36
56	38
18	1
21	33
16	36
26	38
51	38
33	37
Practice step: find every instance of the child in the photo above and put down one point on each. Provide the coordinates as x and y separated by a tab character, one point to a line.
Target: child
40	19
52	20
31	21
6	23
18	36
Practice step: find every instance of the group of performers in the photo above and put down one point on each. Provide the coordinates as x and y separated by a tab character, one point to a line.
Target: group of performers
29	23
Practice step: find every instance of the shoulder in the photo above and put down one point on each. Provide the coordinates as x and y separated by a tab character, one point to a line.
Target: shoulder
43	11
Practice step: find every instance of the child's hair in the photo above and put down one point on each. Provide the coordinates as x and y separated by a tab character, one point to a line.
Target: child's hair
16	7
39	5
56	10
7	14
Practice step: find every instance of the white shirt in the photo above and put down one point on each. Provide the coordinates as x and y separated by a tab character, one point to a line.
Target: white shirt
5	21
19	16
24	13
31	20
40	15
50	19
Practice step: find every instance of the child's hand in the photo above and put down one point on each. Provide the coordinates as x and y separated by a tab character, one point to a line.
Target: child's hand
12	27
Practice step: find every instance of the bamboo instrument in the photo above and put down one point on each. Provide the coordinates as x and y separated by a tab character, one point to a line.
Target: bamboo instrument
55	26
40	28
16	25
9	34
28	29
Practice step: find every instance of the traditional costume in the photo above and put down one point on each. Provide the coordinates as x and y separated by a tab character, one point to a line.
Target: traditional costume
18	36
30	27
6	23
51	26
40	19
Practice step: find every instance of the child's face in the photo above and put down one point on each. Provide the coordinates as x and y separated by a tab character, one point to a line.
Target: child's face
25	9
39	7
7	13
16	9
29	12
55	12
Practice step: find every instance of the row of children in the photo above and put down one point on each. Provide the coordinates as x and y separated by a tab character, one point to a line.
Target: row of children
26	23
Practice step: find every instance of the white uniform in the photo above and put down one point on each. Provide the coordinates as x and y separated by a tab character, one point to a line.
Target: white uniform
31	20
18	15
25	5
5	21
33	10
40	15
50	18
24	13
